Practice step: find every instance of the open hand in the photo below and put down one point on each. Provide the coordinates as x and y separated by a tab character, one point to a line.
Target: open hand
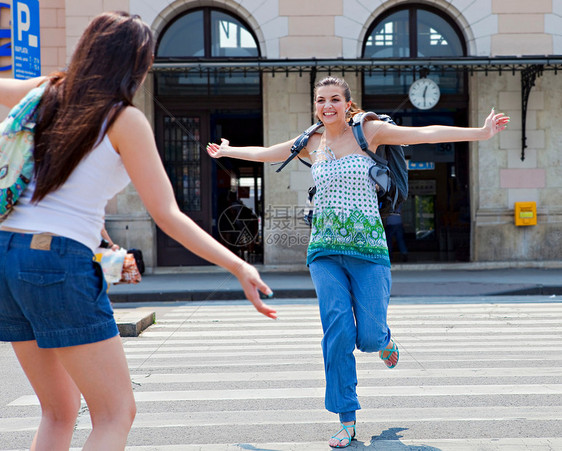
216	151
495	123
251	282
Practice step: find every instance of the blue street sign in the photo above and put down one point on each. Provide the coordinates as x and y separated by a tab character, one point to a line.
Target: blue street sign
6	48
421	165
25	39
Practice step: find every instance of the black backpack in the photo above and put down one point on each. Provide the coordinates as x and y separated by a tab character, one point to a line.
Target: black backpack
389	170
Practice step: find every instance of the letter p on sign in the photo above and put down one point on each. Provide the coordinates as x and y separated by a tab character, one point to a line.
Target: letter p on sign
24	22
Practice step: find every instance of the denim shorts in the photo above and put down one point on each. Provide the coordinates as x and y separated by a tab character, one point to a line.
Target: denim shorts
52	291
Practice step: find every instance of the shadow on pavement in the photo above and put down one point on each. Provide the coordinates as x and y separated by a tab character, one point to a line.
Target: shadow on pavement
389	440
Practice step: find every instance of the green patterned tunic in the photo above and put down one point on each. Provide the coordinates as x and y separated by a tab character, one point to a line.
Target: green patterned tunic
346	214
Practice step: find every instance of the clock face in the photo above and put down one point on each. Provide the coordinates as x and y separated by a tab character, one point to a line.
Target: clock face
424	93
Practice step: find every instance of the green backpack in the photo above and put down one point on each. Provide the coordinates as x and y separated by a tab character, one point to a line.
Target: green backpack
16	150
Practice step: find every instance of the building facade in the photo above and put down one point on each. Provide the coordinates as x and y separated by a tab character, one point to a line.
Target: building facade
245	70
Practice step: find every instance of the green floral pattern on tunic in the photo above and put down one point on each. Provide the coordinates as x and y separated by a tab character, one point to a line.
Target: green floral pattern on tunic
346	215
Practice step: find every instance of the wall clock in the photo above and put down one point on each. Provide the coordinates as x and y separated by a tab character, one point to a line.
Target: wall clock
424	93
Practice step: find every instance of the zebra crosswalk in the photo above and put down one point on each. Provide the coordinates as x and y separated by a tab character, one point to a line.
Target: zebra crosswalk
218	376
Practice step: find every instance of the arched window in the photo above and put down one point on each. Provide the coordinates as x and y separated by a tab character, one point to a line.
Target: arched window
413	32
436	216
206	33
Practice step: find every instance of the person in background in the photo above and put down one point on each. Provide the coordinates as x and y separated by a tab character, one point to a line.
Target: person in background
394	228
347	251
107	242
90	142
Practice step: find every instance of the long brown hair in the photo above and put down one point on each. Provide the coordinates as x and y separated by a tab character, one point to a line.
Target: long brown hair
110	62
340	83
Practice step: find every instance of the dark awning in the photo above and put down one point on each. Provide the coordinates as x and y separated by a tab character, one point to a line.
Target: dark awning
469	63
530	68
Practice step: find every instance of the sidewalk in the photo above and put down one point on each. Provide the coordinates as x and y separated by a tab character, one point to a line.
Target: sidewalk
463	279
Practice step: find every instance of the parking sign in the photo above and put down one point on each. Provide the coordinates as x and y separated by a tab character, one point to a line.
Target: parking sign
25	39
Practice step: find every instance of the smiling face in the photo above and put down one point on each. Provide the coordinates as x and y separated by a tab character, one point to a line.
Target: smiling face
330	104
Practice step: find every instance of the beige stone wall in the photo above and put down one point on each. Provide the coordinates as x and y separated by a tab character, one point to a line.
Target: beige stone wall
312	22
500	178
287	111
553	25
52	16
521	27
80	13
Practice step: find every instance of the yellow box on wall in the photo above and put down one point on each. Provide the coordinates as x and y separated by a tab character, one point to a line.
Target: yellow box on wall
525	213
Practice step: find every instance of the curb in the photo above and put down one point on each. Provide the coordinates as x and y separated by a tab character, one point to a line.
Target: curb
540	290
131	322
228	295
205	295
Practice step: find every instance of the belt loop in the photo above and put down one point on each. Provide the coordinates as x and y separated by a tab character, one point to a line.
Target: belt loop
62	244
9	237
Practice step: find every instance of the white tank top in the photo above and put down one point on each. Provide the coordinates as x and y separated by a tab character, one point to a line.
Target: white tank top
75	210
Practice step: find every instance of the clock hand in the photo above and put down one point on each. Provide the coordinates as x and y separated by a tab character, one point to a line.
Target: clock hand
424	91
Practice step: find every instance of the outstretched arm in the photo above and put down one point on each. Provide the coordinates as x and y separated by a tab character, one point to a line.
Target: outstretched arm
379	132
272	154
132	137
12	90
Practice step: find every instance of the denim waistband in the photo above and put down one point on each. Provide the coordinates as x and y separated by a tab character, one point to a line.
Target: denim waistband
44	242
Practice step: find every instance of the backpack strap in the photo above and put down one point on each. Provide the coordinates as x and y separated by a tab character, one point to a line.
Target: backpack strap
299	144
24	114
357	128
306	163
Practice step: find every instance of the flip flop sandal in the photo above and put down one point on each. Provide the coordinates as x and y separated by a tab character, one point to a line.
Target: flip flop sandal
390	351
349	437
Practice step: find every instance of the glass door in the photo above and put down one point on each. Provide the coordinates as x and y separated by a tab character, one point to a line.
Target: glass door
181	137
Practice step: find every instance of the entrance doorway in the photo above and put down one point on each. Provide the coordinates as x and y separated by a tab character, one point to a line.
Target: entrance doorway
224	197
237	186
436	216
180	134
194	107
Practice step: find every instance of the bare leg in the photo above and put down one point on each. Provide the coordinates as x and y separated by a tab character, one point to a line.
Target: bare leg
101	373
57	393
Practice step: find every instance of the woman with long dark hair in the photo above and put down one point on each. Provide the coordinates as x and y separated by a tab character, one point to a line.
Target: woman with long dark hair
90	142
347	253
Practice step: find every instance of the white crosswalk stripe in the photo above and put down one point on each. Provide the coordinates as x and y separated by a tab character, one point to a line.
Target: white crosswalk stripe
212	377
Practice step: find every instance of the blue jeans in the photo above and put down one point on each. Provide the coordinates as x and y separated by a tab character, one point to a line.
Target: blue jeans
353	296
52	291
